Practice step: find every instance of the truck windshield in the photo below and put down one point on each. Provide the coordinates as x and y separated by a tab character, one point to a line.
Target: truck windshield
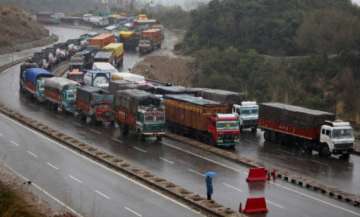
227	125
154	117
70	95
342	133
248	111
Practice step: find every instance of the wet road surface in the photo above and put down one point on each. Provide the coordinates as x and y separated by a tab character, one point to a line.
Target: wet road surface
88	187
184	165
178	162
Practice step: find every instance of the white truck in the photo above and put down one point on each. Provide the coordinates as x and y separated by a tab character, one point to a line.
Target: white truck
248	113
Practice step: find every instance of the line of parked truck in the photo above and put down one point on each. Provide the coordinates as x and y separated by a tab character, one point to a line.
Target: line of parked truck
96	92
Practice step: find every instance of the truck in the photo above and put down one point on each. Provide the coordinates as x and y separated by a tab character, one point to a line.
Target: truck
76	75
60	93
150	40
97	78
130	40
102	40
104	56
308	129
139	111
248	113
32	82
205	120
117	50
94	104
103	66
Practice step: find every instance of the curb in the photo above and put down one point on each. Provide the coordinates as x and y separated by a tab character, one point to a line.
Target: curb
283	174
208	208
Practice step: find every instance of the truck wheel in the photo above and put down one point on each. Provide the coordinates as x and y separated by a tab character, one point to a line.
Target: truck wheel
267	136
325	151
159	138
345	156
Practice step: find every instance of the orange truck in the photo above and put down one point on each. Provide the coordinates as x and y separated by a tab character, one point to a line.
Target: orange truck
102	40
150	40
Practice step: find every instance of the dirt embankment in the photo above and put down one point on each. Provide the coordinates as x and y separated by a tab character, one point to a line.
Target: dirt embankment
17	27
164	65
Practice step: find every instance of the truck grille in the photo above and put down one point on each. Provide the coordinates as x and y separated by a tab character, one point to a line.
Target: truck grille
249	122
343	146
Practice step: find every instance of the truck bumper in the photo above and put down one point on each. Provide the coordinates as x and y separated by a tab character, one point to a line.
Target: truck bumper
154	134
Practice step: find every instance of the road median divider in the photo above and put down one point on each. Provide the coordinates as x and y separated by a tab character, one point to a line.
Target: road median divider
197	202
283	174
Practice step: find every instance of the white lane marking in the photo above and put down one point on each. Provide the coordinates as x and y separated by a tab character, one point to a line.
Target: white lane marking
166	160
100	165
232	187
318	162
275	204
139	149
117	140
132	211
32	154
52	166
14	143
44	192
102	194
195	172
205	158
317	199
95	131
75	179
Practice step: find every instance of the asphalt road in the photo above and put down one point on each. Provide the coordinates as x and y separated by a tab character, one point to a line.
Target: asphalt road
185	165
81	183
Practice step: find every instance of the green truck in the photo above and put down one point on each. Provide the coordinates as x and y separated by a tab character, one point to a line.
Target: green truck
139	111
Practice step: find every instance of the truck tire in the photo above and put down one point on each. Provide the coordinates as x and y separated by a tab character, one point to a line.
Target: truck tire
345	156
267	136
325	151
158	138
125	130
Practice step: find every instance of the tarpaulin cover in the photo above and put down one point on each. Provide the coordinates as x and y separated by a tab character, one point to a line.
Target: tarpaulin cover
295	116
33	74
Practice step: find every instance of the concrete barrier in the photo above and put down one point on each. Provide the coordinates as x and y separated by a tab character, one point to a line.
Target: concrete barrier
199	203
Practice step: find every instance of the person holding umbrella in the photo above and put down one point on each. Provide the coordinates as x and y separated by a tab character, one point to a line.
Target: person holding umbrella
209	185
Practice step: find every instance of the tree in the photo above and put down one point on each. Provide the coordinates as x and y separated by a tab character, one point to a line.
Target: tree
328	31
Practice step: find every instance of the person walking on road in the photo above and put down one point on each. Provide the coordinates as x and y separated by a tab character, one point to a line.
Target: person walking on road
209	187
209	184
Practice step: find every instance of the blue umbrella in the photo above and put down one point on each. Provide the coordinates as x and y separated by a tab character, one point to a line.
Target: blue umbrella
210	173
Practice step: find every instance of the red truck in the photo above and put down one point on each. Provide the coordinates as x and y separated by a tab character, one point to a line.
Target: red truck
209	121
94	104
308	129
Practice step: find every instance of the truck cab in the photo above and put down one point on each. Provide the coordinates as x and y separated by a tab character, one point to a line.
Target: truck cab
338	137
225	130
248	113
151	121
97	78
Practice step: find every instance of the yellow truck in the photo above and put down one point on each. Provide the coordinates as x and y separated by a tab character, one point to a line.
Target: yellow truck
117	50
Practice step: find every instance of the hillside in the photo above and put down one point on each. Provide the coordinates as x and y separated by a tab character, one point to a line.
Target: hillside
303	52
66	6
16	27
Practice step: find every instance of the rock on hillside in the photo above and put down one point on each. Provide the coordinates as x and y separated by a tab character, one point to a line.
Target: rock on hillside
17	26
